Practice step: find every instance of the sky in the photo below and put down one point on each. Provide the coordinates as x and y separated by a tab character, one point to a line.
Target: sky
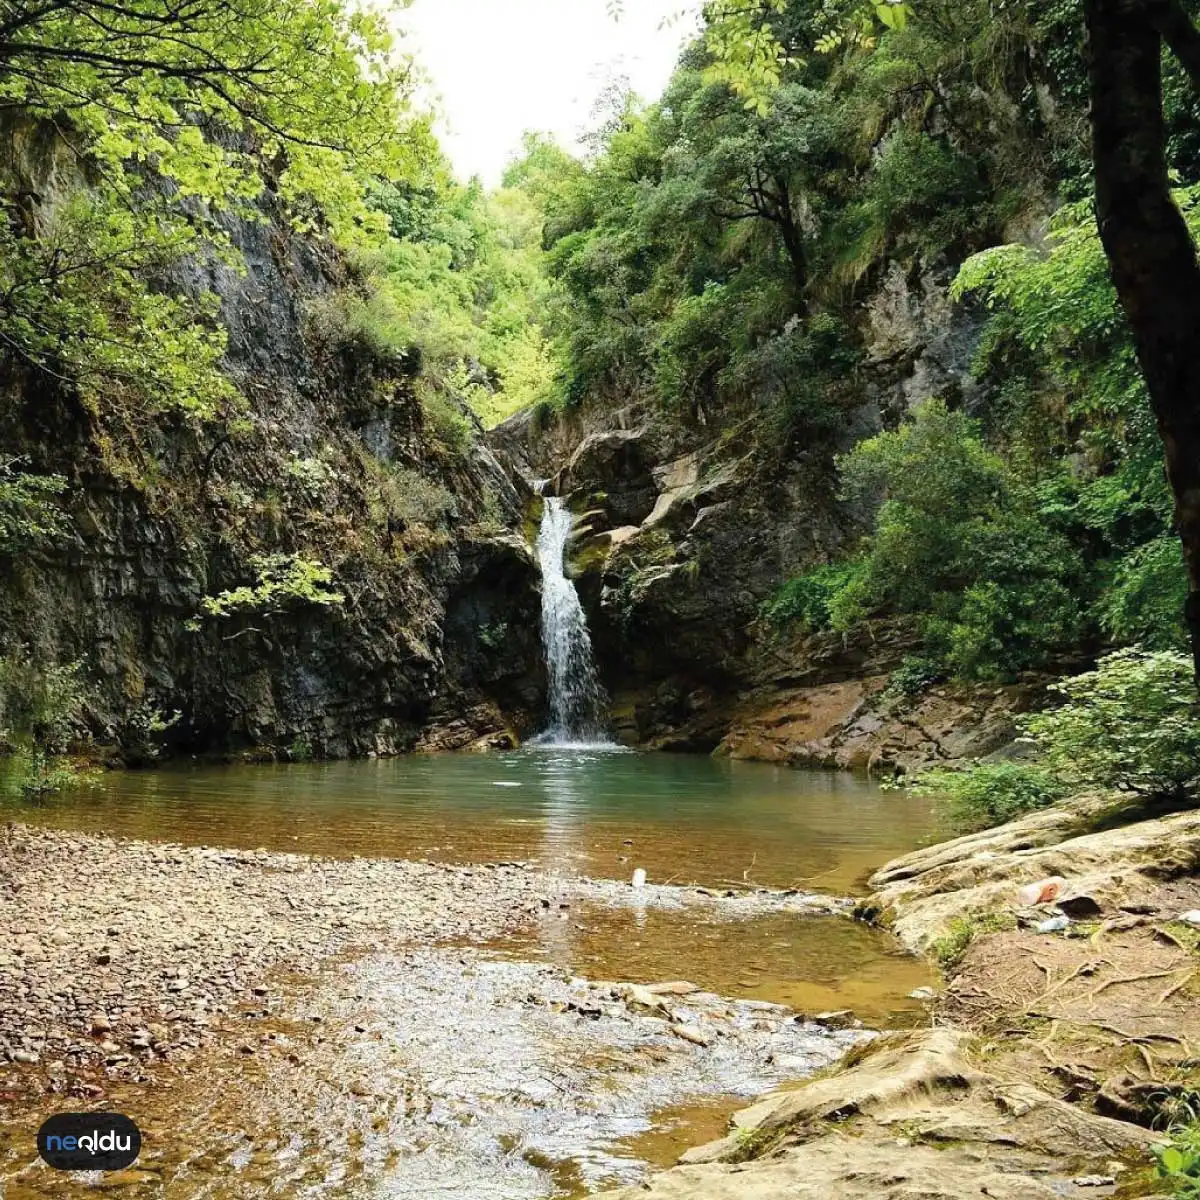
500	67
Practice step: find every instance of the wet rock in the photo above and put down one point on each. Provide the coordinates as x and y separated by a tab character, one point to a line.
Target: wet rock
641	999
843	1018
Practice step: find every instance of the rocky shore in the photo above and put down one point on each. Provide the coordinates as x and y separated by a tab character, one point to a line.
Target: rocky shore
1064	1033
117	954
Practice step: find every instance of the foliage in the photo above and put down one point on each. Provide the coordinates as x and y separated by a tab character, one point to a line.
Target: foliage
959	542
41	710
1145	602
912	677
417	500
982	794
39	704
1131	724
29	516
1178	1161
811	600
28	772
951	947
282	580
462	282
154	119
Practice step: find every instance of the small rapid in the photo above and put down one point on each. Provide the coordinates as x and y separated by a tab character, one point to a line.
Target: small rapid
577	699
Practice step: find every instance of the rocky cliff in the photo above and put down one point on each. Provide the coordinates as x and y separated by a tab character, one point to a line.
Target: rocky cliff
685	526
332	458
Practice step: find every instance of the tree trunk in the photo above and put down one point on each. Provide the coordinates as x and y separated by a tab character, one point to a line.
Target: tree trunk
1149	248
793	242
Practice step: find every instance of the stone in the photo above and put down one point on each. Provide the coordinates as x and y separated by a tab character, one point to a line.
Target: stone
842	1018
26	1057
1191	918
675	987
1094	1181
640	999
693	1034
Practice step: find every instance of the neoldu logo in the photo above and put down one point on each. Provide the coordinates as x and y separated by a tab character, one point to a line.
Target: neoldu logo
89	1142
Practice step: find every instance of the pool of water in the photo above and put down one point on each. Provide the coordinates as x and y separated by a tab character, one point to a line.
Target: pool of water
460	1071
684	819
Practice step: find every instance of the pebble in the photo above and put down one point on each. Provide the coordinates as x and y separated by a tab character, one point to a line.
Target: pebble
1192	918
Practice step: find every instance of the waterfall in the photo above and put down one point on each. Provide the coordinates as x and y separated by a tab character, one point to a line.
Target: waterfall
576	697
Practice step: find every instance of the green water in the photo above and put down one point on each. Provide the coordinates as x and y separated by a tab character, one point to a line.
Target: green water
685	819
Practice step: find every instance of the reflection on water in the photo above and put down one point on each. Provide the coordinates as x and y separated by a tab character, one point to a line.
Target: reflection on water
686	819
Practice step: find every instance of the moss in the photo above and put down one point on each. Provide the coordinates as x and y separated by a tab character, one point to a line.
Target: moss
950	949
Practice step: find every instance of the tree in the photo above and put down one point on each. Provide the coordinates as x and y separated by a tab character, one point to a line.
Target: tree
1149	248
158	114
1151	254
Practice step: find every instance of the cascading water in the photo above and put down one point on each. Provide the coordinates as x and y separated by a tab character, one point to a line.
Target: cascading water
576	697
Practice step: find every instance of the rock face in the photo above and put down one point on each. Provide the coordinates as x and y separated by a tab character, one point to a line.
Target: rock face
859	725
335	459
687	524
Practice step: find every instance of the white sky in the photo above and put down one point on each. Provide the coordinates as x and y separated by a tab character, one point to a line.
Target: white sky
501	67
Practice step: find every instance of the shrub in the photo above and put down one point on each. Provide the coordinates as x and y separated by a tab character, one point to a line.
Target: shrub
1146	601
813	600
29	512
913	676
1179	1161
39	704
984	794
449	425
282	580
960	543
28	773
1131	724
418	500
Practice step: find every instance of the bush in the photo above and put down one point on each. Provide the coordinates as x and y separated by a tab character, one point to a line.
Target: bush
39	704
28	773
912	677
1131	724
1146	601
813	600
1179	1161
959	542
416	500
984	794
449	425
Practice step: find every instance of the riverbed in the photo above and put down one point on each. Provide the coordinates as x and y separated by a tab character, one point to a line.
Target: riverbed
387	1016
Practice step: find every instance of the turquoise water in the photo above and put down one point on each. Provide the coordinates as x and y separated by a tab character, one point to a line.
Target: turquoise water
685	819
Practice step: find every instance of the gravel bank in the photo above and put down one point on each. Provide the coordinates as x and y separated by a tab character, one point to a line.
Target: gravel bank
116	954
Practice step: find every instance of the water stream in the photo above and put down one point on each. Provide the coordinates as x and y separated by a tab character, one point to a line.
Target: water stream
577	698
